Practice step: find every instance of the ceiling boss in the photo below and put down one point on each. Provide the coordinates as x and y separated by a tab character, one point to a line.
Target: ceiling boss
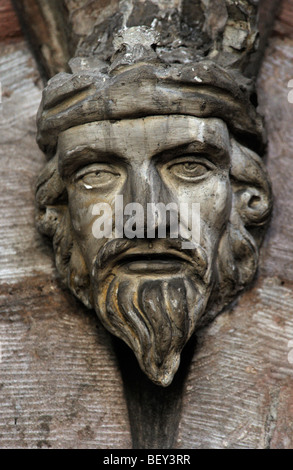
155	193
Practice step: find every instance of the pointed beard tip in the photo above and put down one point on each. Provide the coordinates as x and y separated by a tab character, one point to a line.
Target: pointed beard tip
148	322
163	374
162	379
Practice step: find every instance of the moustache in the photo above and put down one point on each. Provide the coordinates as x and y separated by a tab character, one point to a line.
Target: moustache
114	248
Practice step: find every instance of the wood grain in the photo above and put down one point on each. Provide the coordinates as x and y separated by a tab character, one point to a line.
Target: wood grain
10	28
20	162
59	379
284	22
240	377
239	391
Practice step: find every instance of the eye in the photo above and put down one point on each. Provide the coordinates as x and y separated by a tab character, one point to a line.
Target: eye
191	168
97	176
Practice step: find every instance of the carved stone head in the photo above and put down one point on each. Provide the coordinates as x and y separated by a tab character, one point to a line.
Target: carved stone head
143	132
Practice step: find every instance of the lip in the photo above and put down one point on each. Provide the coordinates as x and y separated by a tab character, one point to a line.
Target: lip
151	262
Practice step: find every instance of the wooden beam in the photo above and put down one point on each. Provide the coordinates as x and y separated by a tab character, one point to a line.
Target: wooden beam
10	27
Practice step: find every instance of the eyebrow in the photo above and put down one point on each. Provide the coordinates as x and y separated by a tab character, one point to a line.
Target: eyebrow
72	160
216	152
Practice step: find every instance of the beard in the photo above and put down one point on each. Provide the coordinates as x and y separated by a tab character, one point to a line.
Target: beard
154	313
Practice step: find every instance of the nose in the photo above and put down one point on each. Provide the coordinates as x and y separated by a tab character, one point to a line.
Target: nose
145	186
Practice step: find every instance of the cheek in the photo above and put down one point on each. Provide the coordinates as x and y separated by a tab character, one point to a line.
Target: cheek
217	205
82	219
214	197
215	215
81	204
80	208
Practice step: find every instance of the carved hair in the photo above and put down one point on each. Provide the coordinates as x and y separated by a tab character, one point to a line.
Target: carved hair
202	89
238	249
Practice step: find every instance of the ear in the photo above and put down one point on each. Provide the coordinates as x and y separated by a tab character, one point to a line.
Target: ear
250	212
251	208
251	185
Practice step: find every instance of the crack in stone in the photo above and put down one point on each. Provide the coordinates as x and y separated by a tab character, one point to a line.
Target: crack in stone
271	419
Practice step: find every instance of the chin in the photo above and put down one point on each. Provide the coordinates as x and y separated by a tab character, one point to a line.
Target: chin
154	307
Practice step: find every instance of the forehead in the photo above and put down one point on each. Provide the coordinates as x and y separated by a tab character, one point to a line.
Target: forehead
151	135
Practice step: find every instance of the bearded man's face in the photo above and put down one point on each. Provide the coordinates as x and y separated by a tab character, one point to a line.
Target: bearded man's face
149	291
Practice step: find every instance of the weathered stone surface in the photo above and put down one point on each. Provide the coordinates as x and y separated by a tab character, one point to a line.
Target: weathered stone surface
146	128
189	29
